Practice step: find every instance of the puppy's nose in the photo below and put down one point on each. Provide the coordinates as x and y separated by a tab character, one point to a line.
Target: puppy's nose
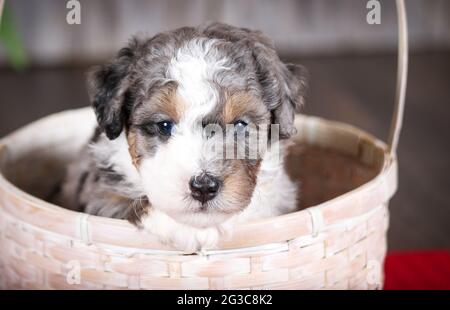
204	187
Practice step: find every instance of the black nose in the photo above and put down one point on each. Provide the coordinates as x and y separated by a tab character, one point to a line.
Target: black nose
204	187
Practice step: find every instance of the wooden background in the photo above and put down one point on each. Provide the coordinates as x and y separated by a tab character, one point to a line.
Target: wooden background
297	26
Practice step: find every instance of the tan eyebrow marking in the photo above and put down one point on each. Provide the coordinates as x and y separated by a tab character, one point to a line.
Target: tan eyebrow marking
132	149
236	105
168	102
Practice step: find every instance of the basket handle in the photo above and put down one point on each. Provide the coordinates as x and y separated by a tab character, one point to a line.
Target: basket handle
2	2
402	76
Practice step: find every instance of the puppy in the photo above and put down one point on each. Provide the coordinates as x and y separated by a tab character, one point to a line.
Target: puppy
166	109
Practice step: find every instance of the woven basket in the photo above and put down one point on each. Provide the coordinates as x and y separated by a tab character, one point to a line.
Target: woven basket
337	242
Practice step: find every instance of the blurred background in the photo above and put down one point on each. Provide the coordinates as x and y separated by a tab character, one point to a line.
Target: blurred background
352	65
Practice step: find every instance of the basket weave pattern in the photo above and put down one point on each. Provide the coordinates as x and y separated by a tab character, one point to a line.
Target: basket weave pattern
339	243
337	259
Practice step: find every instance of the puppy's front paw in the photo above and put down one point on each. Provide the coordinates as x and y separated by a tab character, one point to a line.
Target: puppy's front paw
182	237
207	238
191	240
185	240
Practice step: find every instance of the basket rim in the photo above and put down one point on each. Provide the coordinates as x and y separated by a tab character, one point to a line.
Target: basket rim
89	228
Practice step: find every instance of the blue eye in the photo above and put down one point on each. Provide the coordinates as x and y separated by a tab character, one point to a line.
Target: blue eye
165	127
240	126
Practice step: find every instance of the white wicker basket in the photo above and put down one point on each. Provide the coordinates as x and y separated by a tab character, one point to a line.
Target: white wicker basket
340	242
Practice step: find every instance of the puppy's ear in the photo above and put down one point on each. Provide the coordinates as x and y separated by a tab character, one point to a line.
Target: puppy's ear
293	84
107	86
284	85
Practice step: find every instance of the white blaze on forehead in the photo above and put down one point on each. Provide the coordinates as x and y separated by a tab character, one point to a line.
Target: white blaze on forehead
166	175
193	68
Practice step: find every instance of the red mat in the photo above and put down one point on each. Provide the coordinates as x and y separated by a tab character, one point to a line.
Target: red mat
423	270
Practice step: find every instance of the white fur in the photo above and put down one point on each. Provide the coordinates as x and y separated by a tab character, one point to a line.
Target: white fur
115	152
183	237
164	177
193	68
274	194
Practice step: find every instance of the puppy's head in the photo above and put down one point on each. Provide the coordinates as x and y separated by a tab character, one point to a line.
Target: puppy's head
179	97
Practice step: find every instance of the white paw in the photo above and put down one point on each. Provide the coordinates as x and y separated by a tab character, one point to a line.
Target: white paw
207	238
181	237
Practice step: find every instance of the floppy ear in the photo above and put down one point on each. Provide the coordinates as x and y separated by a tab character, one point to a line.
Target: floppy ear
107	86
294	84
283	85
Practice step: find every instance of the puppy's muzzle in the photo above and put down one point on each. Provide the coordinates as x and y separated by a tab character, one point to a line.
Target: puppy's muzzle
204	187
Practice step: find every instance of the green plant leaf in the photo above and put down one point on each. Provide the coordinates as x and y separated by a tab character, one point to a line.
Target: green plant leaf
11	41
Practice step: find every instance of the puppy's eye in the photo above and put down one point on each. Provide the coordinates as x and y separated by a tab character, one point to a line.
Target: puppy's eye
165	127
240	126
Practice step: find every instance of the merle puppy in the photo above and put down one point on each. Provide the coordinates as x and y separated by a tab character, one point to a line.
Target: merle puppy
150	160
